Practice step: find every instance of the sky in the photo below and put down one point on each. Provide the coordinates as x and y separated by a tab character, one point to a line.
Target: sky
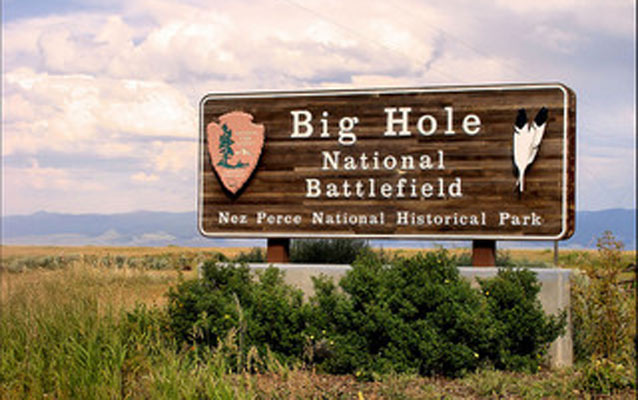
100	98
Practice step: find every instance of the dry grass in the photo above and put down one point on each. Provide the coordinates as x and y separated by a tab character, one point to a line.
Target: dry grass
534	255
34	251
119	288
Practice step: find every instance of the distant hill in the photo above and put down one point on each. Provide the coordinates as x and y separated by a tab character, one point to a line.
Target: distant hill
146	228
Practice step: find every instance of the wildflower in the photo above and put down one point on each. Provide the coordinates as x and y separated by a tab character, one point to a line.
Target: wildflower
312	337
476	355
487	292
360	395
226	316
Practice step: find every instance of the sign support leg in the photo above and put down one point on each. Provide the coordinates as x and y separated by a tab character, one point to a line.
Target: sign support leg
483	253
278	250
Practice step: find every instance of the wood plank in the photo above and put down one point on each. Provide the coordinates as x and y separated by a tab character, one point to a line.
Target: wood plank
482	162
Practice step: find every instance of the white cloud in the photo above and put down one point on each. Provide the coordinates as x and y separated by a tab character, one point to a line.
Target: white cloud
606	178
558	39
144	177
84	114
173	156
612	16
125	84
40	178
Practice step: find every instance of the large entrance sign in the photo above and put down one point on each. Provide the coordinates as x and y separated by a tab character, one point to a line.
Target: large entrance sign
480	163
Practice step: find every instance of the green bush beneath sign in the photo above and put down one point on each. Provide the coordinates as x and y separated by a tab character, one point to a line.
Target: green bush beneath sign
408	315
327	251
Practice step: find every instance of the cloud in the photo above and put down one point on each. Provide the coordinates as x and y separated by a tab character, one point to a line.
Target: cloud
123	82
45	178
607	16
600	185
555	38
144	177
84	114
173	156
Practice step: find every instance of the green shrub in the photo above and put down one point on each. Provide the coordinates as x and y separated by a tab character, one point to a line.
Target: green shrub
255	255
523	330
24	263
265	313
327	251
415	315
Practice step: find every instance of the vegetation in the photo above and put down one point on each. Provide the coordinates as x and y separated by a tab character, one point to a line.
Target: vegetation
523	329
327	251
74	329
504	258
266	314
604	319
413	315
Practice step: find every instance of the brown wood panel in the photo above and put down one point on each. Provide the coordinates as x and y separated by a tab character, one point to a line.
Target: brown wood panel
482	163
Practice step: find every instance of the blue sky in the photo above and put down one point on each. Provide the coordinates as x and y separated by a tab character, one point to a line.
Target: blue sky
100	97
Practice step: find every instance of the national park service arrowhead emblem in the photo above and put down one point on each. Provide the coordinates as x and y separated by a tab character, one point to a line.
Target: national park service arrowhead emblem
235	145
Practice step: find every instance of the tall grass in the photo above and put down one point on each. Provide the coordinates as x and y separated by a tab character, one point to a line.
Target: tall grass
61	337
603	300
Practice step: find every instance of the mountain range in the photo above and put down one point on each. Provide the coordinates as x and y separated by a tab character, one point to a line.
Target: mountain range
149	228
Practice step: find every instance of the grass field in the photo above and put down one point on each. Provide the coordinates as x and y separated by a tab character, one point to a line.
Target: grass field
65	333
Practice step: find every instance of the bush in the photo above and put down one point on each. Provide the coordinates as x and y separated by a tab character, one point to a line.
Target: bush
255	255
418	315
327	251
523	330
266	313
414	315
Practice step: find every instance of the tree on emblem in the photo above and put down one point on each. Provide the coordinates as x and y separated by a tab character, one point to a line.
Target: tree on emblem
225	148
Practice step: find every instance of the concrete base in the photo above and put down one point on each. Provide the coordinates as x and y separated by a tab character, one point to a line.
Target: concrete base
554	294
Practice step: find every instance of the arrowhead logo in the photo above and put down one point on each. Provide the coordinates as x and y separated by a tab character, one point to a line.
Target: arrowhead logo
235	145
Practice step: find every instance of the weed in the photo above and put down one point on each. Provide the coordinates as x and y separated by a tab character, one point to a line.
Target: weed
604	320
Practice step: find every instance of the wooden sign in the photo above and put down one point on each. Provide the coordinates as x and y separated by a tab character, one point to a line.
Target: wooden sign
486	162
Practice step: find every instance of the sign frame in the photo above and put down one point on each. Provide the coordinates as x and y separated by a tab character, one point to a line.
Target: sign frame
568	173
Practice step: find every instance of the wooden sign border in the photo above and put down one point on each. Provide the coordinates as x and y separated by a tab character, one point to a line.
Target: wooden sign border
568	162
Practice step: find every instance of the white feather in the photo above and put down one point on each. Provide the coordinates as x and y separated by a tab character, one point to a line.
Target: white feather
526	142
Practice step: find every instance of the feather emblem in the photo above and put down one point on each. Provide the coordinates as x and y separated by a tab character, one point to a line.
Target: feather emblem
527	140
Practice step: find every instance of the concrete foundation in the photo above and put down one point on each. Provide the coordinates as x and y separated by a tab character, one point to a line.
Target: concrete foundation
554	294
